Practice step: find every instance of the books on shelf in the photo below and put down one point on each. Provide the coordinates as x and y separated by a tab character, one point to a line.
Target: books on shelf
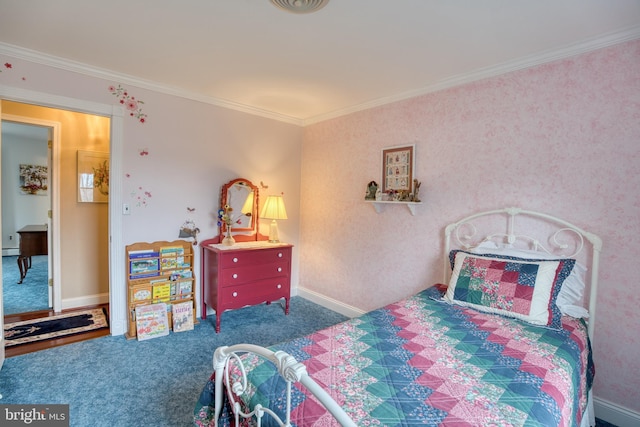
143	267
184	287
151	321
140	293
182	315
171	251
144	253
161	284
161	290
171	257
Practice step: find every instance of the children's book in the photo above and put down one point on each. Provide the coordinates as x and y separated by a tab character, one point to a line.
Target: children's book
151	321
144	253
143	267
171	251
140	293
185	287
161	290
182	315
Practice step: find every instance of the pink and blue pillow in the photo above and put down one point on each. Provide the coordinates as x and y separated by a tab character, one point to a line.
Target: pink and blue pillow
521	288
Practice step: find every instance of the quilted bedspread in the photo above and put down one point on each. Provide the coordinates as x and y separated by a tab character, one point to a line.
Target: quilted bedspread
421	361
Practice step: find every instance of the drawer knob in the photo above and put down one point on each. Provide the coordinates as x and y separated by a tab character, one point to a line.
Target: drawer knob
235	275
235	259
279	254
279	269
235	294
279	286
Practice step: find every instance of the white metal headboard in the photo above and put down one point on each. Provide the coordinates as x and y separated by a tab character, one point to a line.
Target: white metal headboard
465	235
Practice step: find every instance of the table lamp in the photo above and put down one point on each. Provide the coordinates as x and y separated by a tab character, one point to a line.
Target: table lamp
273	209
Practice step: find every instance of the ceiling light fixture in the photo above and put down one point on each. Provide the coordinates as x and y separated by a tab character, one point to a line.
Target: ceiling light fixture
300	6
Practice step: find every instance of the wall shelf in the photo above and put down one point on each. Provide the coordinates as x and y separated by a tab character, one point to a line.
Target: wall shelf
379	205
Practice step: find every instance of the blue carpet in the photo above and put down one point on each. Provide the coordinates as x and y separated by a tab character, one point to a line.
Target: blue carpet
33	293
112	381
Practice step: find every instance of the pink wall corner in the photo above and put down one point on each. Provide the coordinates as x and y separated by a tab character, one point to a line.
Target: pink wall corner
560	138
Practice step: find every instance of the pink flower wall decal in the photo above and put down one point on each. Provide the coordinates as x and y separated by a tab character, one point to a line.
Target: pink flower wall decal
132	104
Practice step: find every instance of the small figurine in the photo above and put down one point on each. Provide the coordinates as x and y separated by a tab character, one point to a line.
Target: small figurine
372	189
416	190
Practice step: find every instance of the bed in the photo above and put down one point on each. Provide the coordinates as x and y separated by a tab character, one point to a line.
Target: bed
504	340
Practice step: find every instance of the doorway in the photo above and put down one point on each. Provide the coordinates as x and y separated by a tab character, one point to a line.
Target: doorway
79	239
26	202
117	292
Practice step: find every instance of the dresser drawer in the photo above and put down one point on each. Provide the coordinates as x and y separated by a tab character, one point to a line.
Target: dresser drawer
255	293
263	256
240	275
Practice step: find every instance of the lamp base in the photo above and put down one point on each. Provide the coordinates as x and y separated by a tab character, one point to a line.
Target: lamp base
273	232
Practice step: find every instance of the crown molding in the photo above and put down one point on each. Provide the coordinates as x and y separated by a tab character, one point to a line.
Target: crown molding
113	76
610	39
567	51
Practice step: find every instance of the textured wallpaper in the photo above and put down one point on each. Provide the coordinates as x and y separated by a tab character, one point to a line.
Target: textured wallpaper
561	138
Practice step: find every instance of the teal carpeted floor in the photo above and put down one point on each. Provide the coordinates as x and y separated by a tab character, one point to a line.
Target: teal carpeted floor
32	294
113	381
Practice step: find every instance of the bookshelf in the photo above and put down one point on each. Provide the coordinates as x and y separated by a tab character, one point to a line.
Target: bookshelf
159	272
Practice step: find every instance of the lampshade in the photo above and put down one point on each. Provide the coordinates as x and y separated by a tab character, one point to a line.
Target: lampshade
247	207
273	209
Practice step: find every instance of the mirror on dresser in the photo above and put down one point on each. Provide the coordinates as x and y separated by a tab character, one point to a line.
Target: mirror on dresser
243	199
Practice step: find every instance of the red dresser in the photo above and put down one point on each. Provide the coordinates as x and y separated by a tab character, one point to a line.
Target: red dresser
247	273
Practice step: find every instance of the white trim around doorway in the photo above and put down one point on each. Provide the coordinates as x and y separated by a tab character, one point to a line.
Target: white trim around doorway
117	288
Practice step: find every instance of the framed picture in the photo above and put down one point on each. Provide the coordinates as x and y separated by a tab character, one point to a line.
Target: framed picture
33	180
397	169
93	177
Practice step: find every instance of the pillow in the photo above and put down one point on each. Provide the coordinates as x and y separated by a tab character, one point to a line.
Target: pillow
570	300
525	289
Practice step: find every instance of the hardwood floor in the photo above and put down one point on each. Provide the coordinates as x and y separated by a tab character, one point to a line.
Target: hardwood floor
43	345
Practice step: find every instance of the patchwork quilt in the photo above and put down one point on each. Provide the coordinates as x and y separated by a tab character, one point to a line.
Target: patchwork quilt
421	361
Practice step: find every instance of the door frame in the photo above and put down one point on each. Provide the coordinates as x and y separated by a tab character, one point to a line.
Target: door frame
117	288
54	204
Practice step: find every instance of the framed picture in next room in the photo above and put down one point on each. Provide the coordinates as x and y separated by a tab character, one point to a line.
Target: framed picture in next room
397	168
93	177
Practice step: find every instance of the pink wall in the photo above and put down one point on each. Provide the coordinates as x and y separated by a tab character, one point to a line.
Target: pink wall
561	138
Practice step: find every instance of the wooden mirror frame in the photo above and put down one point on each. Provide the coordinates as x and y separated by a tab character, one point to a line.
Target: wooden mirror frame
226	197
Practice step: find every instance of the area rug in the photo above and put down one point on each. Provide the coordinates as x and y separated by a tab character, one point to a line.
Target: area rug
76	322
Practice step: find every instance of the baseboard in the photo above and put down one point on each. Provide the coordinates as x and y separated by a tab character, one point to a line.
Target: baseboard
330	303
85	301
11	252
615	414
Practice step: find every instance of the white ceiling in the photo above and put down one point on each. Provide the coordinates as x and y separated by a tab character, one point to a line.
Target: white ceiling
352	54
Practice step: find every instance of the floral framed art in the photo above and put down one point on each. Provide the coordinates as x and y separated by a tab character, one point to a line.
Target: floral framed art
397	170
33	180
93	177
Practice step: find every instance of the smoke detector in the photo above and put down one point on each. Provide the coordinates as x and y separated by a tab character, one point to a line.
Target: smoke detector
300	6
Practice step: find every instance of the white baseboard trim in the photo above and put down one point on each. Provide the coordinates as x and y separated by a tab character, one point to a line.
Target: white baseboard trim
615	414
330	303
85	301
11	252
